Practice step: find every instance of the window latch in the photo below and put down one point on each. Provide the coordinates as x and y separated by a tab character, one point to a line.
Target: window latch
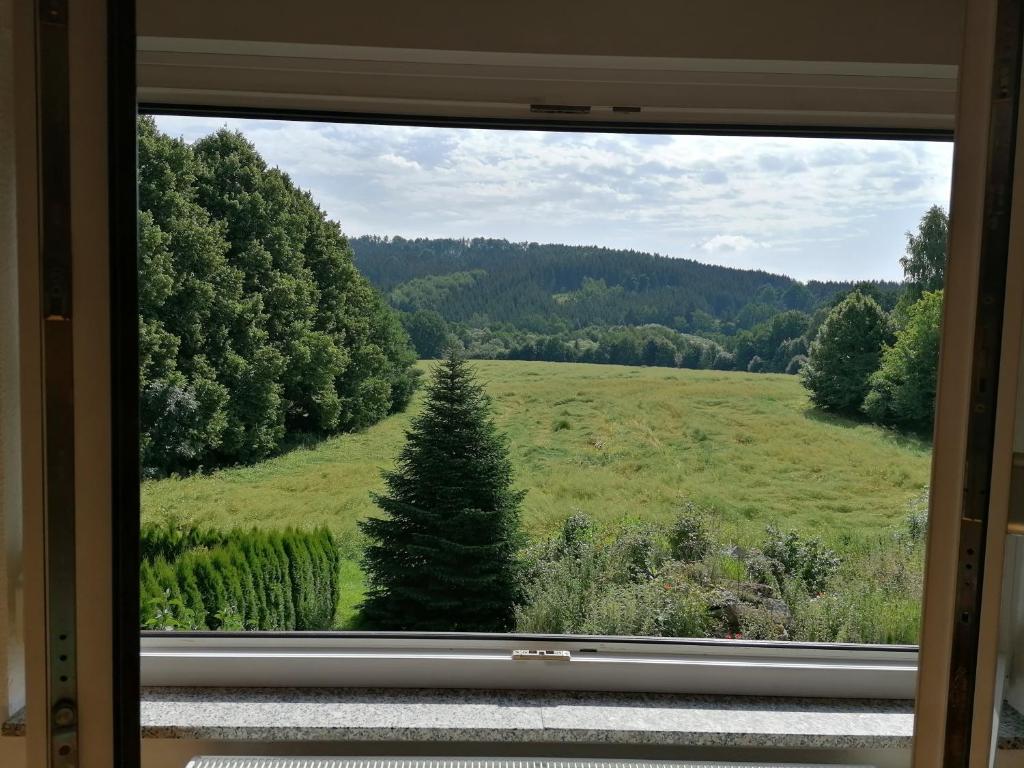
541	654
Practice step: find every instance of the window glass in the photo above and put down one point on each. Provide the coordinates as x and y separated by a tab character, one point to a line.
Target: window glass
443	379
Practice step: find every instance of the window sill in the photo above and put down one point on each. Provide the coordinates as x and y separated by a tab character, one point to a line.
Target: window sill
525	717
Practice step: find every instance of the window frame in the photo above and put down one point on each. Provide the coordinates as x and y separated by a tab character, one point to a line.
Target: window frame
460	660
455	660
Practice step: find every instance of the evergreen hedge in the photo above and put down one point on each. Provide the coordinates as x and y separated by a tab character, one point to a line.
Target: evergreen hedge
195	578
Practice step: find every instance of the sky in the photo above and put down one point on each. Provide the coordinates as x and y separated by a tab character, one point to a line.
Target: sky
825	209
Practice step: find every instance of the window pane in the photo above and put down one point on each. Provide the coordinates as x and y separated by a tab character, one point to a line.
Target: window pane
416	379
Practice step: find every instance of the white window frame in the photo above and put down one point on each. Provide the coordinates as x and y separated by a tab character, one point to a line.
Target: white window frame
457	660
189	76
454	660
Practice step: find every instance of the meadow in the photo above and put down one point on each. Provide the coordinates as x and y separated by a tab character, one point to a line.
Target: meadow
614	442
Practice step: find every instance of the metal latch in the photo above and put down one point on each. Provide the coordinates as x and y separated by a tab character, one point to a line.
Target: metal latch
541	655
560	109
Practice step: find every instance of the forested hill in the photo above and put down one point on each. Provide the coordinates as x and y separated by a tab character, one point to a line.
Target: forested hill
546	288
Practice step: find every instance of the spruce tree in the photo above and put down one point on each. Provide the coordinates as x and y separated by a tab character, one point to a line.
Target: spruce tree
445	556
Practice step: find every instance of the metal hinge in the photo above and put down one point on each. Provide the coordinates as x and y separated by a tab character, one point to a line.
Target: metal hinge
541	655
58	380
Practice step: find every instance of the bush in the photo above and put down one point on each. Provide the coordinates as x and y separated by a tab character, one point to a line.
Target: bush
637	552
796	364
916	522
589	580
688	537
788	556
255	580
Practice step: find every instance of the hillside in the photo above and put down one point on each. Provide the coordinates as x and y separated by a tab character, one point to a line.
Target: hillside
548	288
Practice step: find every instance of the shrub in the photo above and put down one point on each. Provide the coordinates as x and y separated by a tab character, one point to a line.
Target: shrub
796	364
586	580
688	537
171	538
916	521
637	552
264	580
788	556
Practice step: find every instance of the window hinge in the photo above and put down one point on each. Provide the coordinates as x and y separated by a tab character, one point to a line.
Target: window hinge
541	655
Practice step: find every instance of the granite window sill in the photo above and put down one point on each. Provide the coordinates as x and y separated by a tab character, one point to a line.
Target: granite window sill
539	717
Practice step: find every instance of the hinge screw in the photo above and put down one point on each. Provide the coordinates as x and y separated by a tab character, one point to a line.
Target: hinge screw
64	716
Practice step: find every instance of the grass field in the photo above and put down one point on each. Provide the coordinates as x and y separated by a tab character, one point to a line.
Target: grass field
611	441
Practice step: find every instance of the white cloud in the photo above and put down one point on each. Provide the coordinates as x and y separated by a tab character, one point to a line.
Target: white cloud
729	244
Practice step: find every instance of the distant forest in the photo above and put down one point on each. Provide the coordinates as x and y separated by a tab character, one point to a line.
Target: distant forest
499	299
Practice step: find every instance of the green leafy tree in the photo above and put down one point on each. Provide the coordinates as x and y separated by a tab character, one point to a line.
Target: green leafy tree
253	320
428	332
924	264
445	556
903	388
845	354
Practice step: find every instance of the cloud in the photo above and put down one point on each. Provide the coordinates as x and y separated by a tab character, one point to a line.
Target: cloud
729	244
830	208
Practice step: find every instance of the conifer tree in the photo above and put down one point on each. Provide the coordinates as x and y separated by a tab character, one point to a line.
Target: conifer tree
444	557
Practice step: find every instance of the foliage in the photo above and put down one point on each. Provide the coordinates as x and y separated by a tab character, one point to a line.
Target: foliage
577	582
550	289
253	320
688	536
648	345
796	364
201	578
845	354
642	441
916	524
428	332
788	555
924	264
903	388
618	580
444	558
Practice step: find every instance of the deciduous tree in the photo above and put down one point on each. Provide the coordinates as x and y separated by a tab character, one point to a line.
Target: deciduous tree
845	354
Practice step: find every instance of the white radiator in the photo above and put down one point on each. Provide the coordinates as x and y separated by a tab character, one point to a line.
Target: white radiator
470	762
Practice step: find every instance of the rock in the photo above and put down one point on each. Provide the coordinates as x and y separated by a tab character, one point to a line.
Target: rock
752	609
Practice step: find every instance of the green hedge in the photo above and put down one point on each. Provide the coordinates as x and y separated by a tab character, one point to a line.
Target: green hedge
193	578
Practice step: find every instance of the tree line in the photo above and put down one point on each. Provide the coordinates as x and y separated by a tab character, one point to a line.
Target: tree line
884	365
254	323
549	289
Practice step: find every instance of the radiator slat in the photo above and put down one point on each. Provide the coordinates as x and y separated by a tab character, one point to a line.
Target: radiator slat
469	762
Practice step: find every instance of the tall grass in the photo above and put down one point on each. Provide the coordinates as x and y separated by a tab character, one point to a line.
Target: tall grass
617	442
